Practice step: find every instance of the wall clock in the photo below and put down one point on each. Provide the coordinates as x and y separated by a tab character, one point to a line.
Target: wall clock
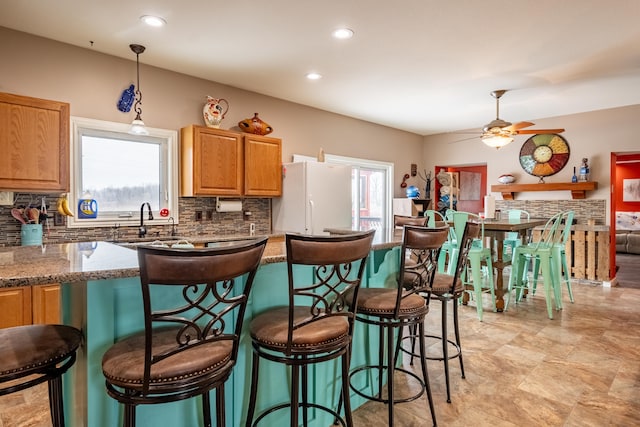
544	155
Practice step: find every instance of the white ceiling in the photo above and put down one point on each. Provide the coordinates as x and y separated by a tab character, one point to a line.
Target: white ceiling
424	66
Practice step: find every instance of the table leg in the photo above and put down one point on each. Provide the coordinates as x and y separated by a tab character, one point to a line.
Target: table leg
499	266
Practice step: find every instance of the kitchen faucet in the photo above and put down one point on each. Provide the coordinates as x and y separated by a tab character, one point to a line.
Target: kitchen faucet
173	226
142	231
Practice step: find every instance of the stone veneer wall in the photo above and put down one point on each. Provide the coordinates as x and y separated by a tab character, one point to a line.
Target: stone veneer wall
220	224
584	209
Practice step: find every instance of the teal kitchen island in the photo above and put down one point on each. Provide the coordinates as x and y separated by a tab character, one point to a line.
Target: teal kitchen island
101	296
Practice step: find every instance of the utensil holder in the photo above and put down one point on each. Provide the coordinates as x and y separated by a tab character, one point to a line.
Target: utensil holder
31	234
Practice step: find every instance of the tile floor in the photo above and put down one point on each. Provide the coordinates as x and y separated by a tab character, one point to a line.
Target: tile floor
580	369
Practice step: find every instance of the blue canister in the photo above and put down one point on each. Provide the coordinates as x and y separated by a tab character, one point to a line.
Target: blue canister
87	208
31	234
412	192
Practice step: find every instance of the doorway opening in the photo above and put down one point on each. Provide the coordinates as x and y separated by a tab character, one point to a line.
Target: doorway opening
464	190
625	172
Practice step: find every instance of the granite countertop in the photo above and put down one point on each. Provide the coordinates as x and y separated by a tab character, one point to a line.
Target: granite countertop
83	261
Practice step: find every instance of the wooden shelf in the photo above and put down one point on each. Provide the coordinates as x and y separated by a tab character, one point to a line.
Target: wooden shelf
578	189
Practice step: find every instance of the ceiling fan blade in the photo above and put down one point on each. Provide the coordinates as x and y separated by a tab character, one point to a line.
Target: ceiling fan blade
539	131
518	126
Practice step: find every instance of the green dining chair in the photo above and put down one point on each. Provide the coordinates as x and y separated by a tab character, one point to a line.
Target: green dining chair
540	252
434	218
559	259
512	238
447	257
477	278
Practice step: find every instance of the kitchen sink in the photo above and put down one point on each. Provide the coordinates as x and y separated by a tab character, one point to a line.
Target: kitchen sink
166	240
228	243
171	240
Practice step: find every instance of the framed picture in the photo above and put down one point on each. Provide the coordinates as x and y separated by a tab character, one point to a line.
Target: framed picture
469	185
631	190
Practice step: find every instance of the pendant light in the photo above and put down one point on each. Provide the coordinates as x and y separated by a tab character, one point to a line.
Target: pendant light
137	126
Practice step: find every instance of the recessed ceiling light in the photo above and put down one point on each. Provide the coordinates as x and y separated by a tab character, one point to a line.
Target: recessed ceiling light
314	76
343	33
153	21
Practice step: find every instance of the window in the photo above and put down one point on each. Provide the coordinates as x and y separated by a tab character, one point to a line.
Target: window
122	171
372	191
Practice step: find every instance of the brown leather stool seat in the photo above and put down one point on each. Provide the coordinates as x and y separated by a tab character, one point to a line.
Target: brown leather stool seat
393	310
188	344
33	354
270	330
324	273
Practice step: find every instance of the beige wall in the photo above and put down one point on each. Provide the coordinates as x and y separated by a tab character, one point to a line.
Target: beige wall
594	135
92	83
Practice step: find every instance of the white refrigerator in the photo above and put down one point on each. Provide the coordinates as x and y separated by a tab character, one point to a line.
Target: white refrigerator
315	196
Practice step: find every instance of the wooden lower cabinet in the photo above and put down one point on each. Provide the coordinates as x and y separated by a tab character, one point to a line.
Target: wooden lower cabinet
29	305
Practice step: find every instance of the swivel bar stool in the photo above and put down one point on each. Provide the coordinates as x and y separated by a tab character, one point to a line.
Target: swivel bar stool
33	354
448	288
324	276
393	309
400	221
189	340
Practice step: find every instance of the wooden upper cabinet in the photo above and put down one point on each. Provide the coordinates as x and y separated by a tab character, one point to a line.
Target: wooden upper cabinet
212	162
217	162
34	142
262	166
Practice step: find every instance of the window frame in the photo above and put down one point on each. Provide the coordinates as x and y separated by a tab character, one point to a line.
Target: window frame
358	163
168	139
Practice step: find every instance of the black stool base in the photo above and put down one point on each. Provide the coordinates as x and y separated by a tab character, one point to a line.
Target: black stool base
378	398
337	418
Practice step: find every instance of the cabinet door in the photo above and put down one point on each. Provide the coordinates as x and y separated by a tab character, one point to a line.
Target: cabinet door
15	307
34	142
263	166
46	304
211	162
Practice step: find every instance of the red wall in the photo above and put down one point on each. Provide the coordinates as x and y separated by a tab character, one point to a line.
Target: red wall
473	206
626	171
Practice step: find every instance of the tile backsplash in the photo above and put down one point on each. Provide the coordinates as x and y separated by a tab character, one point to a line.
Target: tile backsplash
584	209
230	223
220	224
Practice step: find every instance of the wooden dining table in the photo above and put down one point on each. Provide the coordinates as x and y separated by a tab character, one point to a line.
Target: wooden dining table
497	229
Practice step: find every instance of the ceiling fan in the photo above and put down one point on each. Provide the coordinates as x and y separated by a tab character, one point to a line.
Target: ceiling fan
499	133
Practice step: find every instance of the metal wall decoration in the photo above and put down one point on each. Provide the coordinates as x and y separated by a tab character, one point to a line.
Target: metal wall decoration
544	155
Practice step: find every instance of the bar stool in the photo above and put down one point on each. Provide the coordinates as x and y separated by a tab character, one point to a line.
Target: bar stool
393	309
447	288
33	354
400	221
189	343
324	274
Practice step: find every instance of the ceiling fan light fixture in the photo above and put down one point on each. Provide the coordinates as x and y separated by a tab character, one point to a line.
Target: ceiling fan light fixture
496	140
